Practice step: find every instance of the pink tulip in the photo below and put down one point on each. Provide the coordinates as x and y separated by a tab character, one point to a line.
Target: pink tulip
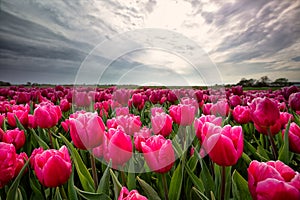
161	124
15	137
294	137
224	145
7	163
20	162
112	123
122	96
82	99
140	137
122	111
86	129
182	114
22	115
294	101
2	118
264	112
274	129
119	147
130	123
137	100
132	195
200	122
158	153
273	180
65	105
206	108
31	121
220	108
52	167
241	114
47	115
284	118
235	100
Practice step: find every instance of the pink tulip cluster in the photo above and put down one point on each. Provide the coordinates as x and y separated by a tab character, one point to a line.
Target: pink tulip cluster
273	180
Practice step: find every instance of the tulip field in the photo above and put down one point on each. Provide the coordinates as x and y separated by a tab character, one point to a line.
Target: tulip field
149	143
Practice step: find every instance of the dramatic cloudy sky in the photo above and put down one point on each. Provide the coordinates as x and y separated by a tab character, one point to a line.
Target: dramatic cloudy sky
148	42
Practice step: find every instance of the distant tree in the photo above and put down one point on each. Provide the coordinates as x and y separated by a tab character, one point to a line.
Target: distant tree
263	81
246	82
281	82
3	83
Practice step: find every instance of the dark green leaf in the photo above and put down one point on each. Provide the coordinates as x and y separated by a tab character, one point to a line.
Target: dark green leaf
199	194
149	191
197	181
85	177
13	190
103	186
91	195
284	151
71	187
240	189
176	183
117	184
41	142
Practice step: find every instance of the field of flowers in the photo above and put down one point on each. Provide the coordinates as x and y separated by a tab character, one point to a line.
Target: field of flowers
149	143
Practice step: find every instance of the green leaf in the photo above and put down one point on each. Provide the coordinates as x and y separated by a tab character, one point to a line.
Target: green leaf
92	195
57	195
240	189
84	175
284	150
71	187
176	183
41	142
149	191
103	186
117	184
199	194
13	190
36	187
205	175
196	181
19	125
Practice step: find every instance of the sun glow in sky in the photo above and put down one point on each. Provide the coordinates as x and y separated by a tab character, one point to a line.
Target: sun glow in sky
48	41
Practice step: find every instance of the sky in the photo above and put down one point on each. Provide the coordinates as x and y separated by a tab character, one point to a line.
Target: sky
148	42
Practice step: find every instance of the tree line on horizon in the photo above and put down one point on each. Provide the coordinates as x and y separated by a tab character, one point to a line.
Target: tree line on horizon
264	81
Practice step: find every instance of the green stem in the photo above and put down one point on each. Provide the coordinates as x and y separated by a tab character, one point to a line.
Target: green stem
94	171
123	178
50	138
62	192
164	180
223	183
274	148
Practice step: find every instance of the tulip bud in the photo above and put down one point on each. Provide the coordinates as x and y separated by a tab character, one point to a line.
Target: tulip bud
52	167
7	163
273	180
159	153
132	195
47	115
86	129
15	137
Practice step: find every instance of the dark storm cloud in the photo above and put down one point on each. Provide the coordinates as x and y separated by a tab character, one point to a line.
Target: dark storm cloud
297	59
266	28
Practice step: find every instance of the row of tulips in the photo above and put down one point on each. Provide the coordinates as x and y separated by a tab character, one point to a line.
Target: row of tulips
105	143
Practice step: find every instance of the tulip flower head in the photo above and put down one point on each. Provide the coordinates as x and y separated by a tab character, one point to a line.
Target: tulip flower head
52	167
132	195
273	180
86	129
224	145
159	153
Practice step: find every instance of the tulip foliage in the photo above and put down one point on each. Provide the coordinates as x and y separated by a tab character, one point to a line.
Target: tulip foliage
149	143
